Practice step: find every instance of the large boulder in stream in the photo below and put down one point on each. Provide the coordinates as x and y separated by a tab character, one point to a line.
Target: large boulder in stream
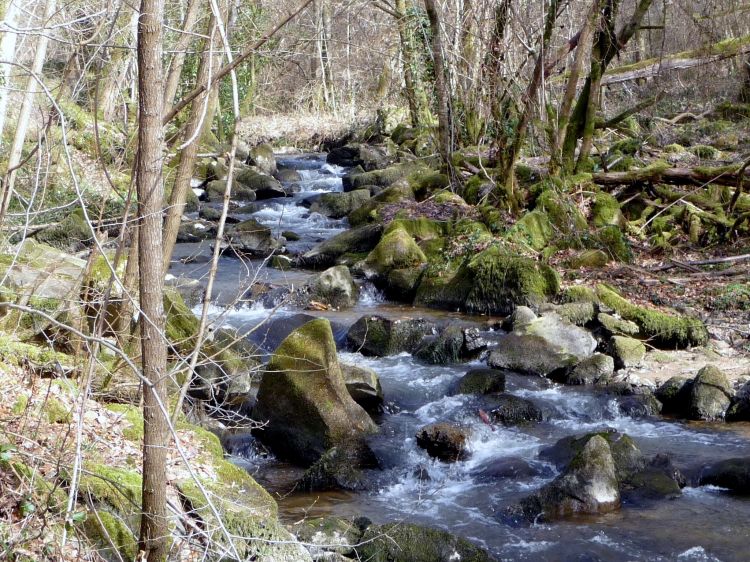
340	468
481	381
513	410
494	281
379	336
733	474
710	395
263	159
339	205
303	400
396	250
264	186
406	542
444	441
334	287
454	344
251	238
588	486
360	240
543	346
364	387
740	408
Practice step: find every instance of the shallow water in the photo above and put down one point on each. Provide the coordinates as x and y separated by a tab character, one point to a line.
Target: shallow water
704	524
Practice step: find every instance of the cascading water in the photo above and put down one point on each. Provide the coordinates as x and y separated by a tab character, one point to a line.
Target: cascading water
466	497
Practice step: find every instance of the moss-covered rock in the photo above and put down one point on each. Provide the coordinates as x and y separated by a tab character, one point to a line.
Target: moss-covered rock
340	468
481	381
339	205
71	235
611	240
492	282
593	259
303	397
578	313
405	542
251	238
385	177
658	328
113	539
264	186
396	250
627	352
355	241
262	157
606	211
363	385
614	326
454	344
705	152
534	230
368	212
732	474
379	336
597	369
674	395
444	441
334	287
710	394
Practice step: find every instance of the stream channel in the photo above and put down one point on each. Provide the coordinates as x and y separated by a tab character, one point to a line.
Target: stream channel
466	497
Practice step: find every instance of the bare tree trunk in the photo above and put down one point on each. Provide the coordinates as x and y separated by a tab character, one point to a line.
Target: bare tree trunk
178	59
7	53
445	129
24	114
150	190
115	79
744	96
201	116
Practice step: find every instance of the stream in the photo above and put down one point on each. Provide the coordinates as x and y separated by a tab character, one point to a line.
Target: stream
466	497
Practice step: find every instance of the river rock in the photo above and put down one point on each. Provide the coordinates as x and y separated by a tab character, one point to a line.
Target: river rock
379	336
597	369
325	536
481	381
740	408
444	441
406	542
520	317
658	480
578	313
627	352
288	175
639	405
339	205
334	287
355	241
507	468
512	410
710	395
733	474
340	468
303	398
264	186
252	238
396	250
364	387
271	333
588	486
215	192
454	344
346	156
262	157
195	231
675	396
542	346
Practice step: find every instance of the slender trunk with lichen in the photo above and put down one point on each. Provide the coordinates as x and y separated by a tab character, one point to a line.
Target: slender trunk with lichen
612	45
180	50
416	97
445	133
154	533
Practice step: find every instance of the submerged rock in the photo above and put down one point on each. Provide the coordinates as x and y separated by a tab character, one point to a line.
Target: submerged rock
710	394
379	336
340	468
542	346
512	410
733	474
303	399
454	344
443	441
481	381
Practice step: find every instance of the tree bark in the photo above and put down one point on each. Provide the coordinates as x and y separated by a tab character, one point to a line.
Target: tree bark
154	530
180	48
7	54
115	80
445	129
419	112
24	114
201	116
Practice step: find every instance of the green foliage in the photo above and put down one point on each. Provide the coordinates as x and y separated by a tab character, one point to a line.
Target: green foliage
735	296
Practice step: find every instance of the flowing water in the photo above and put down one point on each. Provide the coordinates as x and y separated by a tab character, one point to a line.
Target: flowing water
466	498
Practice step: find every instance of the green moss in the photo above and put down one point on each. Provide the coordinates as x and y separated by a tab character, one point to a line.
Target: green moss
534	230
424	183
420	228
705	152
589	258
56	411
658	328
20	405
134	416
448	197
388	176
579	293
71	235
674	149
106	531
612	240
396	250
15	353
629	147
368	212
118	488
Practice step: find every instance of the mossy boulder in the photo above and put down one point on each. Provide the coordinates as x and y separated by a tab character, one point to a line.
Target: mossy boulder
710	395
369	211
481	381
578	313
494	281
340	468
597	369
251	238
303	398
534	230
385	177
215	191
71	235
264	186
339	205
379	336
627	352
611	240
660	329
543	346
113	539
614	326
262	157
674	394
355	241
705	152
406	542
740	408
592	259
454	344
396	250
326	535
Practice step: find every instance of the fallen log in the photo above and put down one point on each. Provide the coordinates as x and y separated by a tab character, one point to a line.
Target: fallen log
726	175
